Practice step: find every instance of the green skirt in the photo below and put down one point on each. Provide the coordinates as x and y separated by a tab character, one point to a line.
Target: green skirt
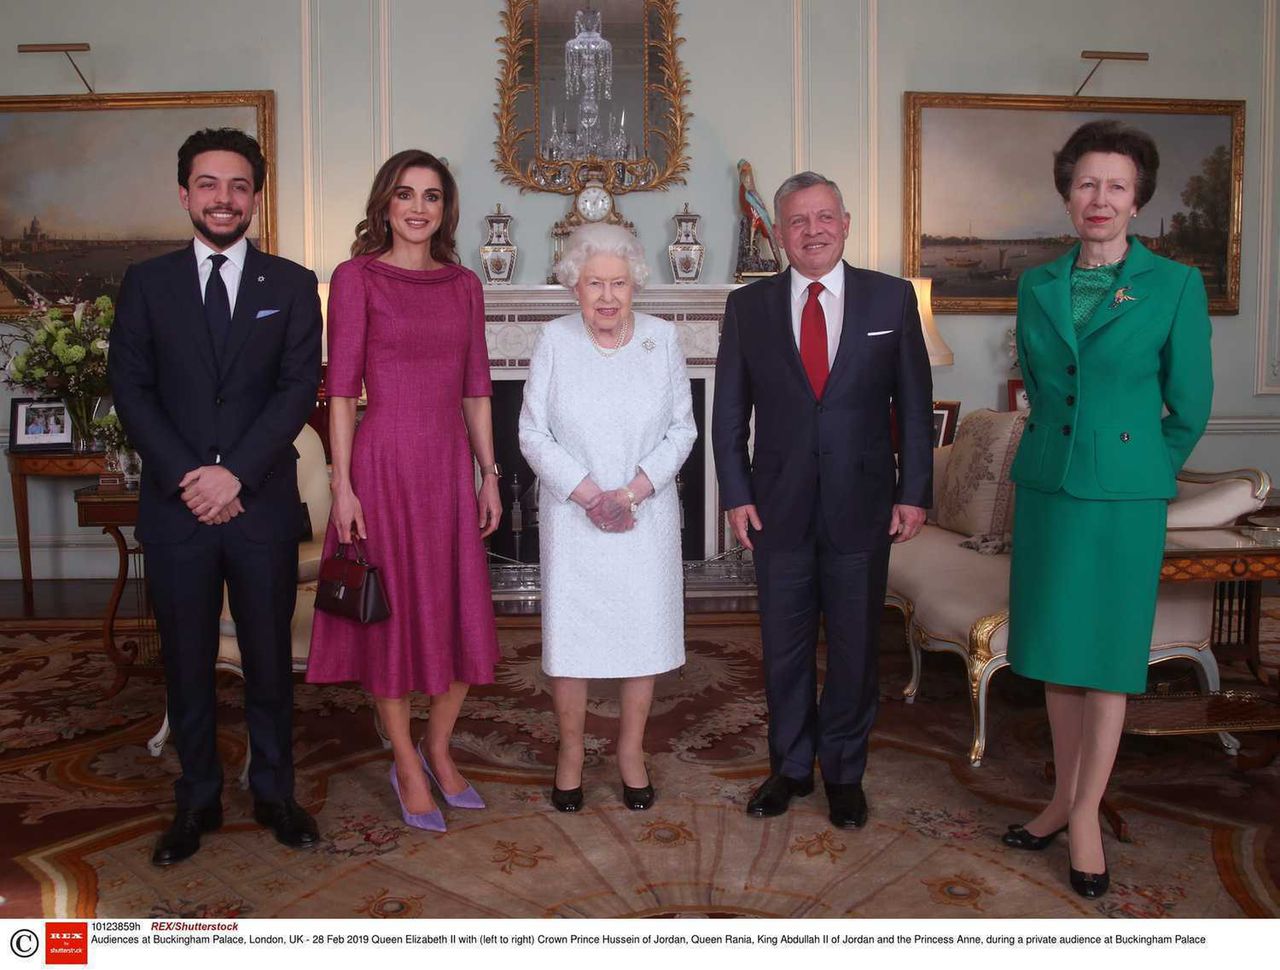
1082	589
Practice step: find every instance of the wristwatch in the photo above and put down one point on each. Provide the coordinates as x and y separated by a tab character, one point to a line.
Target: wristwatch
495	470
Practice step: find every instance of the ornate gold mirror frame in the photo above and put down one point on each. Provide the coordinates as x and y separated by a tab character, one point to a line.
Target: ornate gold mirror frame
665	112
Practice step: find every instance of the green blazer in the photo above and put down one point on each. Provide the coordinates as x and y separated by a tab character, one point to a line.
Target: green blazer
1116	410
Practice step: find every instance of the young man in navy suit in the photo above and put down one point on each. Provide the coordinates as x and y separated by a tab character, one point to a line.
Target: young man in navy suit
823	354
214	365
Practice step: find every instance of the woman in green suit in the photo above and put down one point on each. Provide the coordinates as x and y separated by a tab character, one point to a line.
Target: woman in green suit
1113	341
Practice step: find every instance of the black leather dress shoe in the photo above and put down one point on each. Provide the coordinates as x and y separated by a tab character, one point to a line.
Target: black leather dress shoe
774	796
637	799
847	806
292	826
182	840
1090	885
1019	838
566	799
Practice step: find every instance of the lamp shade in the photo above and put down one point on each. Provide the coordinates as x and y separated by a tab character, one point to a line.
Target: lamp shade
940	355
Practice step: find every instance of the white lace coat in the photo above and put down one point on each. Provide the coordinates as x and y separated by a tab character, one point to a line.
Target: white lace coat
612	603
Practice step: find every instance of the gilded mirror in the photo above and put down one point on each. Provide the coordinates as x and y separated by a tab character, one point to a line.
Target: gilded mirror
586	87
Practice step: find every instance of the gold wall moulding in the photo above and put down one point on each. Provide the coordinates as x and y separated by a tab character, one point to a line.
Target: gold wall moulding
535	107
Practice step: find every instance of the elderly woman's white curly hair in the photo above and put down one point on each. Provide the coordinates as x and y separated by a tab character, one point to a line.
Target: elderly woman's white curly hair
601	239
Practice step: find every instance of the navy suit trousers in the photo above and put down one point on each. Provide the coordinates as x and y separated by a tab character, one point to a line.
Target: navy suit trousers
186	580
798	587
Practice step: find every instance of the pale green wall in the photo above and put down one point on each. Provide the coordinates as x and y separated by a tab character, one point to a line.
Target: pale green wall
858	57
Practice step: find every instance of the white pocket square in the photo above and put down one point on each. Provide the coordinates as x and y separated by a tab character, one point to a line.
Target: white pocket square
878	333
266	313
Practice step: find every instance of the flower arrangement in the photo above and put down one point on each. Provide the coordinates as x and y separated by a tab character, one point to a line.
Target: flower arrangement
1011	346
61	351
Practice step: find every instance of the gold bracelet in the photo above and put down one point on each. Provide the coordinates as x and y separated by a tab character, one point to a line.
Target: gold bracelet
631	497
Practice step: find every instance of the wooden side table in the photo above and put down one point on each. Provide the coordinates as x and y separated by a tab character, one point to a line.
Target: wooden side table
112	510
44	464
1240	554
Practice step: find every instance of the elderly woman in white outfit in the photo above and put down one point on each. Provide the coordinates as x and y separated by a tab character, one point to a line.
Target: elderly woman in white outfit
607	423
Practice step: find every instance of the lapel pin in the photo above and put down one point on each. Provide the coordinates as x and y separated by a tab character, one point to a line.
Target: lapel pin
1122	296
263	279
648	343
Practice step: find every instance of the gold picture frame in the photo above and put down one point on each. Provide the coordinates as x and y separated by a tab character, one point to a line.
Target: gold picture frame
664	108
91	185
977	157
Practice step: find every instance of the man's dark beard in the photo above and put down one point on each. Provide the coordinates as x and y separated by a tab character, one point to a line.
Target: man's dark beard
221	239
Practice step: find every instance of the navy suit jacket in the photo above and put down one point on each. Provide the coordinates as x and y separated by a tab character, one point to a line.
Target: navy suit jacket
834	455
183	405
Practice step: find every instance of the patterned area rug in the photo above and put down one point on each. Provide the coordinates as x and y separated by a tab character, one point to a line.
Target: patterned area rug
82	800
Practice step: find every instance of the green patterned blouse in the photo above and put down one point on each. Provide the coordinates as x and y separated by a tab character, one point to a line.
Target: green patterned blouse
1089	287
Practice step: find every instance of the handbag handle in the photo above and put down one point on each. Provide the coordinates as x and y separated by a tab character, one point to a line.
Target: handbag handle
354	544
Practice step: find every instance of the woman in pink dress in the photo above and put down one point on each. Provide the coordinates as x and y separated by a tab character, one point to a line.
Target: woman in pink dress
408	322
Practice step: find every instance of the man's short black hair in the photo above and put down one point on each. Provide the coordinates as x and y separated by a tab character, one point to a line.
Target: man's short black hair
222	140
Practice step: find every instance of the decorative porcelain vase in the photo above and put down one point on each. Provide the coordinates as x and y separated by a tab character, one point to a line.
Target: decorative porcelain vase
498	253
686	253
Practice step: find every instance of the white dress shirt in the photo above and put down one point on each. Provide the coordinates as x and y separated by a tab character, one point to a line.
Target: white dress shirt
231	269
832	300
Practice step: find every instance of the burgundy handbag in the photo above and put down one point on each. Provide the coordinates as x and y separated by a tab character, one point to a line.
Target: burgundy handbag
351	588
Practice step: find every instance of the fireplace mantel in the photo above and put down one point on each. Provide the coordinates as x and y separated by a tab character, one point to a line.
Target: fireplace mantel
513	315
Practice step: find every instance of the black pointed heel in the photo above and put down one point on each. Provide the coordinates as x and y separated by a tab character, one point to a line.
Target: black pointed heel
1019	838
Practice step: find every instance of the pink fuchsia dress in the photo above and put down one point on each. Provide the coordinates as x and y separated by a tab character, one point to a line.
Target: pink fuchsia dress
415	338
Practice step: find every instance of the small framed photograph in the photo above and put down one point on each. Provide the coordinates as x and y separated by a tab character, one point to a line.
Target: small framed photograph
38	424
945	416
1018	395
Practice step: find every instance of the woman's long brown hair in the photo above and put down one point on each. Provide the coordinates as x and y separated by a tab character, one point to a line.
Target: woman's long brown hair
373	234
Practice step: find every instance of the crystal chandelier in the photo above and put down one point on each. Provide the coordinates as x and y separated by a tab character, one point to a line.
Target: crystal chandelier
588	75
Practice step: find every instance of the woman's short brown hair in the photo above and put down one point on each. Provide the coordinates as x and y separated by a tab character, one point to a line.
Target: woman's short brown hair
373	234
1115	138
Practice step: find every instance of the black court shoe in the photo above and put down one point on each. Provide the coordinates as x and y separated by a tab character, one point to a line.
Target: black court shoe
566	799
1090	885
1019	838
637	799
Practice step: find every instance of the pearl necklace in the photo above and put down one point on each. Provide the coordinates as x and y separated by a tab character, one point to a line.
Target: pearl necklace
1110	262
623	332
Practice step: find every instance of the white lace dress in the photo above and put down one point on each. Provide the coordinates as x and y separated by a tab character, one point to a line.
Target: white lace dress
612	603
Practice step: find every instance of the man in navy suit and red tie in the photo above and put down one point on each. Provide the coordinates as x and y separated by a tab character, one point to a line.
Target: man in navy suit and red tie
824	354
214	365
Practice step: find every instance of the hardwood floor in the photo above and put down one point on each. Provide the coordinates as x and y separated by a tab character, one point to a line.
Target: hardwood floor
65	599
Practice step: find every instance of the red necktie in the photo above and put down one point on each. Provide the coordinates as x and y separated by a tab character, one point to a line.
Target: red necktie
813	340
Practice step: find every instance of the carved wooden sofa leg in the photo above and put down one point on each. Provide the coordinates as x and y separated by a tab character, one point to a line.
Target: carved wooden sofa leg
982	667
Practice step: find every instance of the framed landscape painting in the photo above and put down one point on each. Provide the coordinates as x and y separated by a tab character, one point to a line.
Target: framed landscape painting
980	207
89	185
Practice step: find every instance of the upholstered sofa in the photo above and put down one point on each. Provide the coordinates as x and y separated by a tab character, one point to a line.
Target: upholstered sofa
951	582
313	487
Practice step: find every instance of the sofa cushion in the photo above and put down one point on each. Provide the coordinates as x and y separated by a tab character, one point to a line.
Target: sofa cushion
949	587
941	456
975	497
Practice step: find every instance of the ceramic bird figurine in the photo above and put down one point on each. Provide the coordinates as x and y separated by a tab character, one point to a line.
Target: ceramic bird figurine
753	208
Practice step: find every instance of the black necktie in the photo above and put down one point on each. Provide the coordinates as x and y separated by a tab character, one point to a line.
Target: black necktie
217	305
